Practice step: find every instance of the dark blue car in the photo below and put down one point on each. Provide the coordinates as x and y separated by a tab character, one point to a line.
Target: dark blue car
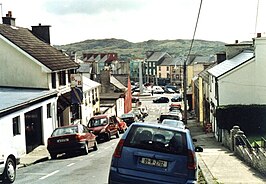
154	154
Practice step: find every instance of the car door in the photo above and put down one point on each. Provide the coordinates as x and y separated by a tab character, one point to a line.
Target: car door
112	125
88	136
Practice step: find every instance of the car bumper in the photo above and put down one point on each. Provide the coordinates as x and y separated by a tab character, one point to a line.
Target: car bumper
118	178
67	148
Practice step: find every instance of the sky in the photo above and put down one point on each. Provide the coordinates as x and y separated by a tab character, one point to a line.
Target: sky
141	20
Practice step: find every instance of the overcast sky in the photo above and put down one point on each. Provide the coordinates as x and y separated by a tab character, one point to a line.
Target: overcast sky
140	20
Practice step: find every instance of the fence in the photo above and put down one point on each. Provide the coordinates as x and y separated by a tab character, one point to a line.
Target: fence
254	155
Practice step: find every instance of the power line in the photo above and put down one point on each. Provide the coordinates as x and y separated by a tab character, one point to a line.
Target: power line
185	67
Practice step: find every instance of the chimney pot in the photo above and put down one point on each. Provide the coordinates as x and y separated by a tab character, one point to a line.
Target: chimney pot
258	35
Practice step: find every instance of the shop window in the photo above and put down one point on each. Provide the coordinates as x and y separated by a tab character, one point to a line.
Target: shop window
49	113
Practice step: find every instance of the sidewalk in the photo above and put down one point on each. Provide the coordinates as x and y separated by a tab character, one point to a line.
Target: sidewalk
218	164
39	154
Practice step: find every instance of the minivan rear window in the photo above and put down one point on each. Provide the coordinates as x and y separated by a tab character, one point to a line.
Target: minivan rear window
157	139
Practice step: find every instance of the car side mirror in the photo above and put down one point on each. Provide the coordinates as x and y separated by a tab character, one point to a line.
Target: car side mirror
198	149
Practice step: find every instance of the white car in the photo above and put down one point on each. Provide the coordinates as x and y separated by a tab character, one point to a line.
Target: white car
157	90
174	123
8	164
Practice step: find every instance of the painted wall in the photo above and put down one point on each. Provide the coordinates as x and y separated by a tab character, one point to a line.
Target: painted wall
245	93
19	141
19	70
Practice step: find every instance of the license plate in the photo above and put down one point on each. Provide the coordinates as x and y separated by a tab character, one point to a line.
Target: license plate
153	162
63	140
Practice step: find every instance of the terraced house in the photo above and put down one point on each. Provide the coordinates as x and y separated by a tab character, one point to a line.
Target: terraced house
34	85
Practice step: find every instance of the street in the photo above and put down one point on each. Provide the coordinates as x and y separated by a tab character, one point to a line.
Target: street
92	168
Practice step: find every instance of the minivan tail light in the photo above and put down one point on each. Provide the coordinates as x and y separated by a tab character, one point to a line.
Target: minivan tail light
191	160
118	149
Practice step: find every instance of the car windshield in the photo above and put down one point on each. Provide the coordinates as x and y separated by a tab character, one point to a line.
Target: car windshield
65	131
157	139
170	116
173	123
97	122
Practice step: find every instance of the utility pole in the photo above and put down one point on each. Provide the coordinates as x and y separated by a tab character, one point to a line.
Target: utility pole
140	77
185	90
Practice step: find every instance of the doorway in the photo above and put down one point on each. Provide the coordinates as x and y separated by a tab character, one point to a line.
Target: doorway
33	129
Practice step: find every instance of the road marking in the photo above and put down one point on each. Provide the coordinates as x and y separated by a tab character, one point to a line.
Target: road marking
42	178
107	147
70	164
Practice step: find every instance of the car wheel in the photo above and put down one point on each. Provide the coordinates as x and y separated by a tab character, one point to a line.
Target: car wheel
95	147
53	155
10	171
86	149
107	137
117	135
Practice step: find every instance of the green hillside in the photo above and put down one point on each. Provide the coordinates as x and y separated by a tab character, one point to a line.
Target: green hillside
128	50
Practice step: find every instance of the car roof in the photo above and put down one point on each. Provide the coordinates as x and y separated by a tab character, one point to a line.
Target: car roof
156	125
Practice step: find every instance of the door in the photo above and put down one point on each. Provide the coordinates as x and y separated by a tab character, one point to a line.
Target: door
33	129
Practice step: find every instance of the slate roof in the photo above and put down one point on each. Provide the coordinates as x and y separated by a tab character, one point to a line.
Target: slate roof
12	98
156	56
228	65
172	62
47	55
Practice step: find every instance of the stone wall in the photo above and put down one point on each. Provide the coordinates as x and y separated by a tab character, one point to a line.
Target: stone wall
237	142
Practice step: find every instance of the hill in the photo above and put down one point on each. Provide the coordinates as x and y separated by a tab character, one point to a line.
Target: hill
128	50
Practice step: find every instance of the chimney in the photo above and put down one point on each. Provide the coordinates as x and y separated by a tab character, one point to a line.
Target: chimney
42	32
105	80
220	57
258	35
9	20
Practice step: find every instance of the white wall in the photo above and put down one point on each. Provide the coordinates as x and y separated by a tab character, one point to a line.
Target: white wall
120	106
19	141
260	70
18	70
237	87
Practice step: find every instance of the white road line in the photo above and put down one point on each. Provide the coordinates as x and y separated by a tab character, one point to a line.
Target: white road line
70	164
46	176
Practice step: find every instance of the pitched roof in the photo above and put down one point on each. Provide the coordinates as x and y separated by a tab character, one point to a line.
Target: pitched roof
172	61
156	56
228	65
39	50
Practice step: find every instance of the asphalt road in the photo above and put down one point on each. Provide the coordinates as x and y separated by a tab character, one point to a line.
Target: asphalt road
91	169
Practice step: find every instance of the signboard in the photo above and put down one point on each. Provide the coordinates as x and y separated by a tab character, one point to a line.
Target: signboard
76	80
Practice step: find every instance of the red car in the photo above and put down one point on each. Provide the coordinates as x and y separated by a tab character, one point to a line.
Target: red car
104	127
121	124
73	138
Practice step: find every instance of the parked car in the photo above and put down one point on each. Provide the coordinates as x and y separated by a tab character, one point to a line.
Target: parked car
69	139
157	90
169	90
177	112
154	153
122	126
104	127
176	98
161	99
174	123
9	160
168	116
129	118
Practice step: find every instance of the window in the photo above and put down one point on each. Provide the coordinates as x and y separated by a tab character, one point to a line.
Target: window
16	126
62	78
160	75
53	80
168	75
167	68
49	113
159	68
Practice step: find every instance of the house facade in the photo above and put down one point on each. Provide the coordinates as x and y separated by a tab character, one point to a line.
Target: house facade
29	63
